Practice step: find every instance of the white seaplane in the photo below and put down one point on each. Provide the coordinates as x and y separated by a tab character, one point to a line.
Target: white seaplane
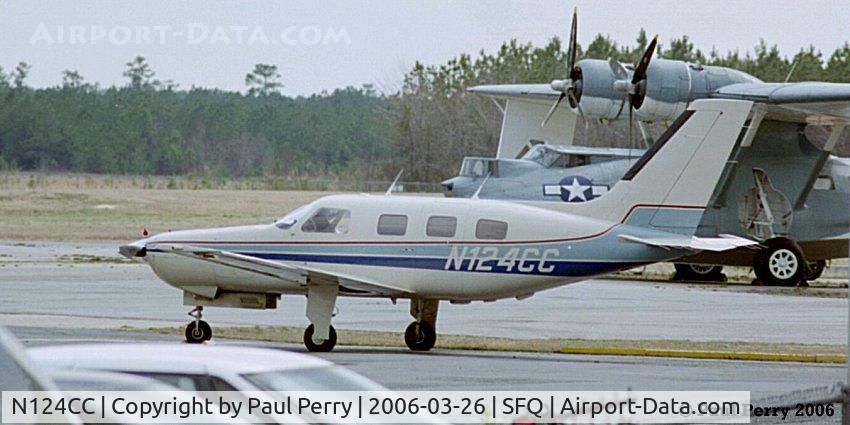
429	249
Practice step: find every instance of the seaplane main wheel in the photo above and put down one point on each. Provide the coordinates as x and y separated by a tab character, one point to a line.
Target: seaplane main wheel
420	336
780	263
198	332
319	347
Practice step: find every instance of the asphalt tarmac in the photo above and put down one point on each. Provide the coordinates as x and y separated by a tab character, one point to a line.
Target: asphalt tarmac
44	285
400	369
51	297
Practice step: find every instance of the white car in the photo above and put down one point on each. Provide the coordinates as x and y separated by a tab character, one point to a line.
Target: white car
196	367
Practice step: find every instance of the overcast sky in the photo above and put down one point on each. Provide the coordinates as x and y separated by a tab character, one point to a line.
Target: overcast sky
322	45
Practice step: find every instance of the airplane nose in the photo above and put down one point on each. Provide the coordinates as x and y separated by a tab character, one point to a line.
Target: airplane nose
134	250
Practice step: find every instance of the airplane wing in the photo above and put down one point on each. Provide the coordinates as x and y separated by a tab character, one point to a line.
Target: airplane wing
721	243
529	92
300	274
808	102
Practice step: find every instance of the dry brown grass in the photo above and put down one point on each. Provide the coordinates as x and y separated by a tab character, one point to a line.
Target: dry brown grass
288	334
71	214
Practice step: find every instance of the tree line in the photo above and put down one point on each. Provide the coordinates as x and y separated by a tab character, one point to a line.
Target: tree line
153	127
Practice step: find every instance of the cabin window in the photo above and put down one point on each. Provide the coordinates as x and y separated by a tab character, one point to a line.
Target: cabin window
824	183
491	229
328	220
441	226
392	224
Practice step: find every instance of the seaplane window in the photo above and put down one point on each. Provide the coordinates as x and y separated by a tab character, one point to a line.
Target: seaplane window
328	220
824	183
441	226
392	224
491	229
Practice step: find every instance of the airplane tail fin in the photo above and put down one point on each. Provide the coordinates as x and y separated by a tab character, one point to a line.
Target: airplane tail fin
669	187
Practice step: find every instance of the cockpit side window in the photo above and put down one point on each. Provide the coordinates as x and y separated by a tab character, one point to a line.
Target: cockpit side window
328	220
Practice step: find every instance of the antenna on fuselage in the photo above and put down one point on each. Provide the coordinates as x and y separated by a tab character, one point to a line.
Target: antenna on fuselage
477	191
392	186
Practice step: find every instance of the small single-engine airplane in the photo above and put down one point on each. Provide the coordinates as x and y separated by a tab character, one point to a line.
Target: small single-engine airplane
430	249
783	191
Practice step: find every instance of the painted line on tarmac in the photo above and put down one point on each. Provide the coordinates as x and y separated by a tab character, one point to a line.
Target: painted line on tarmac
712	355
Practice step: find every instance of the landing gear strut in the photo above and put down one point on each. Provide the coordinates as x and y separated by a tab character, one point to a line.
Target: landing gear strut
198	331
320	336
421	335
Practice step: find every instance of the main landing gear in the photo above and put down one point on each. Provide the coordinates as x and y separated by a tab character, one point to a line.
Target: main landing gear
320	336
198	331
780	263
421	335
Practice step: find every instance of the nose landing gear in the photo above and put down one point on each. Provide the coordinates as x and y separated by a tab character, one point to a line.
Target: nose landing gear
198	331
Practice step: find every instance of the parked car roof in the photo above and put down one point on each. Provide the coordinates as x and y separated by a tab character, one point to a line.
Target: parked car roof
170	357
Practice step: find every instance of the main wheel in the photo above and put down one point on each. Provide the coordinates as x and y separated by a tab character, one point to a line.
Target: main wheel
814	269
420	336
704	272
325	346
198	332
780	263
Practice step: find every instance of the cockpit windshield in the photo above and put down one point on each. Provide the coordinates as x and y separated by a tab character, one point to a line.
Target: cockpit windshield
290	219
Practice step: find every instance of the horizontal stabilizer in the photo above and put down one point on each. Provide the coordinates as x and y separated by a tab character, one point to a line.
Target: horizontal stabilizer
722	243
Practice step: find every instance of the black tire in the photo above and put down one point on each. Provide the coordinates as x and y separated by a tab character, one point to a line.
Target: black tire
814	269
420	336
780	263
700	272
326	345
196	334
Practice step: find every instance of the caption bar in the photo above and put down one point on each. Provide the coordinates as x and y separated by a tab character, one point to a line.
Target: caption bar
376	407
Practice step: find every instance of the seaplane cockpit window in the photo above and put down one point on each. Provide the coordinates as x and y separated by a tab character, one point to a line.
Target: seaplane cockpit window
290	219
441	226
491	229
328	220
392	224
547	157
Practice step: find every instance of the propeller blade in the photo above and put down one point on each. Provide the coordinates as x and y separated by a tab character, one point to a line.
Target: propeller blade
631	117
620	71
552	109
643	65
571	49
580	111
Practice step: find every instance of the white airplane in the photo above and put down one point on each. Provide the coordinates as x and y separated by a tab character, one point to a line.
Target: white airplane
429	249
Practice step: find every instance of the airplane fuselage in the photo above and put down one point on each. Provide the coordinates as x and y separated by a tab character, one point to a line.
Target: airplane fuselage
425	247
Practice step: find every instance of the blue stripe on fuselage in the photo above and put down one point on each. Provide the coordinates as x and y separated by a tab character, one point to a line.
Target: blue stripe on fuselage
528	267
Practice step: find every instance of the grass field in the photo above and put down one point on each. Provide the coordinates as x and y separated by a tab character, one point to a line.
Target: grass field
56	207
288	334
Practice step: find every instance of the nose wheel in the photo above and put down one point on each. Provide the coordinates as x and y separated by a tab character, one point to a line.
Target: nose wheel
198	331
322	345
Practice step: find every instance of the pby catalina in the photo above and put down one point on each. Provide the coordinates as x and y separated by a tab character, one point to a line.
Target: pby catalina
429	249
783	190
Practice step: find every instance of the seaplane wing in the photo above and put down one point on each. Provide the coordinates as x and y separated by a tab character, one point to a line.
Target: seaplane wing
529	92
722	243
808	102
300	274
